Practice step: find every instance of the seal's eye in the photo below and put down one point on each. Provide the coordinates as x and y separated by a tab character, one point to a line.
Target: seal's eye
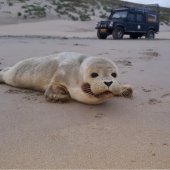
94	75
114	75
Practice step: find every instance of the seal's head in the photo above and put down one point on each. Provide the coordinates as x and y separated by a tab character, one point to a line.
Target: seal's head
99	78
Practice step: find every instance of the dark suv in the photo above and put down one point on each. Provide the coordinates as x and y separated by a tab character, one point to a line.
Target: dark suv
136	22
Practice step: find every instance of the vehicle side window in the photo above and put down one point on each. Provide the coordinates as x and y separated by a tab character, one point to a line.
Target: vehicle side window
151	18
131	17
140	18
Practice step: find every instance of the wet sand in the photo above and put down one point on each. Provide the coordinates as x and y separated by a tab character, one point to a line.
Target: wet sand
121	133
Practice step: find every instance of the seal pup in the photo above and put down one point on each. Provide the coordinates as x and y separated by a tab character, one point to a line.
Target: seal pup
87	79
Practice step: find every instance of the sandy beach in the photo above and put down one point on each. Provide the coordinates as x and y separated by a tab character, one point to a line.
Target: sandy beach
121	133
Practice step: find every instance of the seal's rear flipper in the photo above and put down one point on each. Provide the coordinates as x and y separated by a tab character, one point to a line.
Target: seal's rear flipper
1	80
2	71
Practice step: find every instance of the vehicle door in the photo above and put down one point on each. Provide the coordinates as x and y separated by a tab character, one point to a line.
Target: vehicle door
131	22
141	22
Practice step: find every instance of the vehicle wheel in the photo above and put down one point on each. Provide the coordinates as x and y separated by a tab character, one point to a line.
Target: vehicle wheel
133	36
118	33
150	34
101	35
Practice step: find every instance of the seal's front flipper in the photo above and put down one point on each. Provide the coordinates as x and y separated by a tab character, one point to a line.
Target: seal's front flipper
57	94
127	91
124	91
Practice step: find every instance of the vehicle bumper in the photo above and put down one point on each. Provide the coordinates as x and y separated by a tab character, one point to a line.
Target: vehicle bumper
105	30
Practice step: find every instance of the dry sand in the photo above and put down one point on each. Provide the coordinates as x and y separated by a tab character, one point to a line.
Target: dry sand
121	133
63	28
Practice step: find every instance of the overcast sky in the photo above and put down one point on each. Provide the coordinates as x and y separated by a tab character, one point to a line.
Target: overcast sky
164	3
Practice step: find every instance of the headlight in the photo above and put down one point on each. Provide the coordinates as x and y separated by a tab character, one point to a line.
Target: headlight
111	24
97	24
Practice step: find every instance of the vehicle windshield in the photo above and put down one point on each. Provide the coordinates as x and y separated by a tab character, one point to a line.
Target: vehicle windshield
118	14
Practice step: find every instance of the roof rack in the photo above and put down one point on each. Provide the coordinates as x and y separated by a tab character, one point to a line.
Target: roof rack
143	8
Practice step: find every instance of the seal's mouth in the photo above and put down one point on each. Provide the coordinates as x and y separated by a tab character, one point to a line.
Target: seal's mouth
87	89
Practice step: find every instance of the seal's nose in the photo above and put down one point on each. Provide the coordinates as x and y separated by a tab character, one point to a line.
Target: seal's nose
108	83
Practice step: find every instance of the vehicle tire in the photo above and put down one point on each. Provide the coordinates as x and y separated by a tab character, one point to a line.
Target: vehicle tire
150	34
133	36
118	33
101	35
